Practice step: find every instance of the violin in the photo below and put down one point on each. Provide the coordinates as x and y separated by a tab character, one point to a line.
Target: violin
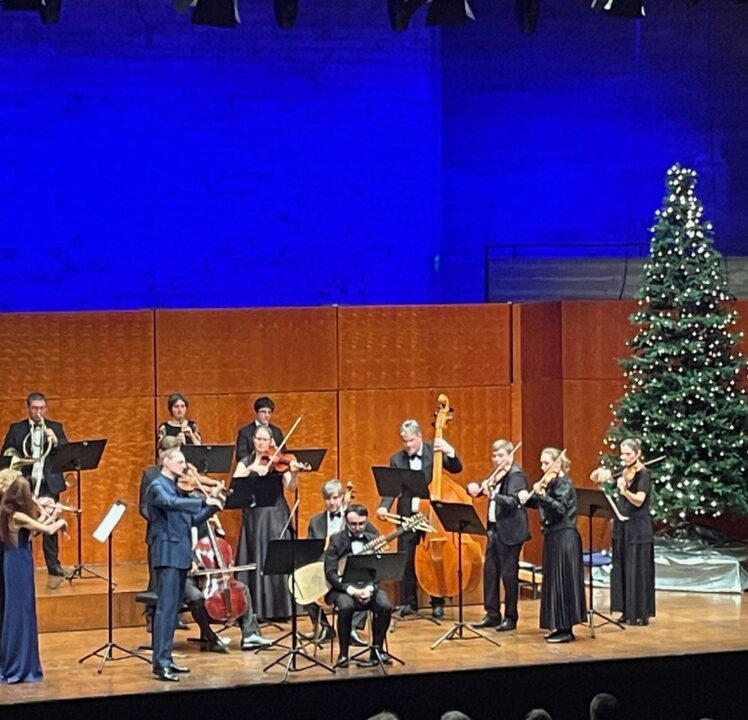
548	477
499	473
281	462
191	481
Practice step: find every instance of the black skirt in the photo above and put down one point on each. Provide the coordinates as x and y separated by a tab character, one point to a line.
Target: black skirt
632	580
562	603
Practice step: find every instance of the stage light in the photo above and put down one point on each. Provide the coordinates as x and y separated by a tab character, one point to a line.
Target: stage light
49	10
528	15
632	9
401	11
285	13
449	12
216	13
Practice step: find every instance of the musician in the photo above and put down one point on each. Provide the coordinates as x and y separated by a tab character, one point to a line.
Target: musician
171	518
632	581
36	435
507	531
270	597
562	603
416	455
264	408
350	598
325	525
178	425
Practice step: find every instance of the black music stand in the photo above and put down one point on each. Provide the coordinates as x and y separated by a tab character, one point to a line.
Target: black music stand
76	457
460	518
104	533
595	503
310	456
209	458
391	482
374	568
283	558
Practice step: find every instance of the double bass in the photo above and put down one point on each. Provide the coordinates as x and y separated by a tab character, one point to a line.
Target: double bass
437	556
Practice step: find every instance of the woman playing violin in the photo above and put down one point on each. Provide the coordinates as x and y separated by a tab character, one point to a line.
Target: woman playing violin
562	604
632	582
186	431
270	598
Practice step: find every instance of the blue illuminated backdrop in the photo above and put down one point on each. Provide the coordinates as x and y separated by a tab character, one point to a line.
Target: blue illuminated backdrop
149	163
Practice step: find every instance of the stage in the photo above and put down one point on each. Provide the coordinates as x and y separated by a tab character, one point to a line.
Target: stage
688	662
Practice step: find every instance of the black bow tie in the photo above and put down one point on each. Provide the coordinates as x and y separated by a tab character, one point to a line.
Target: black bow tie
415	457
334	514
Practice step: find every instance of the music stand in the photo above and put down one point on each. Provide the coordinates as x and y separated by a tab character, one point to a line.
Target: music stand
209	458
76	457
284	557
311	456
595	503
104	533
393	482
459	518
374	568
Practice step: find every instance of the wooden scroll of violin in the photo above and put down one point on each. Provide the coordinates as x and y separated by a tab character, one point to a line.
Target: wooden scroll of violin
311	583
437	556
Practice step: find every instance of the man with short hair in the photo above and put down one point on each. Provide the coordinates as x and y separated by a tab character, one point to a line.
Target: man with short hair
350	598
264	408
37	437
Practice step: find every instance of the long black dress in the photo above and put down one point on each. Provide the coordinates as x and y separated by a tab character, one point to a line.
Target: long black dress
562	603
271	599
632	582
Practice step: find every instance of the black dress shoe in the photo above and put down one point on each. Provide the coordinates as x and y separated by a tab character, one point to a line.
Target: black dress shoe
405	610
622	619
487	621
165	674
385	657
561	636
215	646
506	624
179	668
437	611
343	661
641	621
551	634
371	662
357	640
58	571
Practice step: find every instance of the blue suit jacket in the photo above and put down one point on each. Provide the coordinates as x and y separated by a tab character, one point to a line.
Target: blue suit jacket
171	517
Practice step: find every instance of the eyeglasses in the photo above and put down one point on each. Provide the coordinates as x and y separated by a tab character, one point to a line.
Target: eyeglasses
362	523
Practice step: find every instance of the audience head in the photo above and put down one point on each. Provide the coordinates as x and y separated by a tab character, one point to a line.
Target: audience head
538	714
454	715
604	706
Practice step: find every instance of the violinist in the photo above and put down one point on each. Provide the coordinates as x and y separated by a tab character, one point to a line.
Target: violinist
350	541
171	517
325	525
264	408
632	581
270	597
178	425
507	531
562	603
416	455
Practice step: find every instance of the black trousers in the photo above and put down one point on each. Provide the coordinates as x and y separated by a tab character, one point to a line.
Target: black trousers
502	564
50	543
347	606
408	542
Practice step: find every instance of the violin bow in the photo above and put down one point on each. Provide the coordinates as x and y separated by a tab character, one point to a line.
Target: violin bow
285	439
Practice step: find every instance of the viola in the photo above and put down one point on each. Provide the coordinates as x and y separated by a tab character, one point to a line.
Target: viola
437	557
225	596
281	462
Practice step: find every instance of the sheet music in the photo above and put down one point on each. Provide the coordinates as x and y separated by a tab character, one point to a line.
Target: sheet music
615	509
110	521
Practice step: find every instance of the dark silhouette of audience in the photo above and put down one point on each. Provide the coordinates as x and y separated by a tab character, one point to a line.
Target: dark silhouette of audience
604	706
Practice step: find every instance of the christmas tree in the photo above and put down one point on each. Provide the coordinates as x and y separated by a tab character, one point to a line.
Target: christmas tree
683	397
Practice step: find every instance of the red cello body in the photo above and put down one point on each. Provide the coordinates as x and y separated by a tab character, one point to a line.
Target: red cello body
225	596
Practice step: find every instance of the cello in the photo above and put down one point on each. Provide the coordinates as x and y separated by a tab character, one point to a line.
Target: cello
437	558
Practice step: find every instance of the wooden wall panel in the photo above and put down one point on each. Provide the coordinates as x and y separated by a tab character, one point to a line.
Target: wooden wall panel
594	337
409	346
536	336
106	354
221	416
29	355
243	351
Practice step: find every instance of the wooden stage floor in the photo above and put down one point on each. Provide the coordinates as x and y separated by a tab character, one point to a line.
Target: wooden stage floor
687	625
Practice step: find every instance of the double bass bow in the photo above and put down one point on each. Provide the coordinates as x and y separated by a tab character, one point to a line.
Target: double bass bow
437	558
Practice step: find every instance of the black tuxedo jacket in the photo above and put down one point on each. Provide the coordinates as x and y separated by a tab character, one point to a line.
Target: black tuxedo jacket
340	546
318	527
511	517
54	482
400	460
244	445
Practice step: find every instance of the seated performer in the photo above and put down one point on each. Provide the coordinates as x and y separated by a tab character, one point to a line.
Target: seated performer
178	425
416	455
507	531
349	598
325	525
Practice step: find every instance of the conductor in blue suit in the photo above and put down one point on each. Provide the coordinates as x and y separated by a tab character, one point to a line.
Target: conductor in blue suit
172	517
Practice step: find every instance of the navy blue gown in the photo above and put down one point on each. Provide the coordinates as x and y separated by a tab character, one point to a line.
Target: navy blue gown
19	646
